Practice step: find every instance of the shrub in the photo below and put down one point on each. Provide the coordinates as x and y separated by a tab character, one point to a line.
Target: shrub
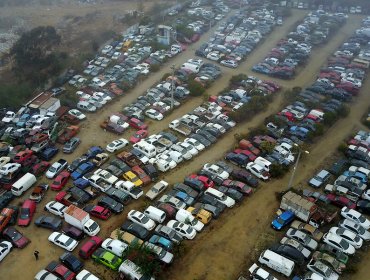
195	88
278	170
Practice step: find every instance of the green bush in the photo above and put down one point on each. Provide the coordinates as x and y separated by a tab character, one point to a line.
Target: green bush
278	170
195	88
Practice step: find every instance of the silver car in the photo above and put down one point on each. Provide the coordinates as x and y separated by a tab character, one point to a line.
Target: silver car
302	238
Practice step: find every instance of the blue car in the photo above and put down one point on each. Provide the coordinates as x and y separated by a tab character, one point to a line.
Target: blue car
238	159
49	153
82	169
358	175
81	183
184	197
282	220
93	151
162	242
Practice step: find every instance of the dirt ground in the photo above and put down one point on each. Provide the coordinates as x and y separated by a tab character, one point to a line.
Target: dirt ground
226	246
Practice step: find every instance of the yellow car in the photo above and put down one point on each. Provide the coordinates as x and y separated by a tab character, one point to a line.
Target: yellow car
131	176
202	215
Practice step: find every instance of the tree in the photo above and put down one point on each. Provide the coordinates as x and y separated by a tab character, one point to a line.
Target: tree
35	56
195	88
267	147
236	79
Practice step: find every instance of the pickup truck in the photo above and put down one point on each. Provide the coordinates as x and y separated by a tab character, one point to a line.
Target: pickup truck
106	176
182	126
163	144
84	184
129	188
74	196
98	182
129	158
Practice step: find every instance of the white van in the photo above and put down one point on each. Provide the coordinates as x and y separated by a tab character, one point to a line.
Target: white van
191	67
147	149
277	262
132	271
155	214
186	217
23	184
221	197
264	163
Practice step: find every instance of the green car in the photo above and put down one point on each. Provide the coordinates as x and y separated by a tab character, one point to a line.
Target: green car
107	258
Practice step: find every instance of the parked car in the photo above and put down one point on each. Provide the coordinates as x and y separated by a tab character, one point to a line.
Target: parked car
49	222
63	241
26	213
106	258
282	220
72	262
15	237
90	246
184	230
302	238
339	243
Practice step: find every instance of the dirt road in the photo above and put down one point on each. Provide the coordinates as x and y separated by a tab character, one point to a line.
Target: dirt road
222	249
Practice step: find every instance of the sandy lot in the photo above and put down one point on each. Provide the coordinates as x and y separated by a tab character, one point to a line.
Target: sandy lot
224	248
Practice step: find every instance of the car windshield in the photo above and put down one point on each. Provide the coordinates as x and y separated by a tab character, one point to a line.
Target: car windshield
359	229
362	219
189	230
93	227
344	244
69	242
280	221
16	236
144	219
25	213
52	169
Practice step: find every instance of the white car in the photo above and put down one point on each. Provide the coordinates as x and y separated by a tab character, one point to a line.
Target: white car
116	145
348	235
186	231
153	114
322	269
215	56
5	247
199	146
77	113
338	243
114	246
257	273
63	241
366	195
141	219
216	170
355	228
86	275
103	95
55	208
106	49
189	147
161	253
355	216
9	116
157	189
258	171
55	169
9	168
229	63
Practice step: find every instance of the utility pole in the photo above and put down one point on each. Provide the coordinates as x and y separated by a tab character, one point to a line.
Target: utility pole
296	165
172	84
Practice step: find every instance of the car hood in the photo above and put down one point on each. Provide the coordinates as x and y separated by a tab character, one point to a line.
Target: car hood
276	225
315	182
24	222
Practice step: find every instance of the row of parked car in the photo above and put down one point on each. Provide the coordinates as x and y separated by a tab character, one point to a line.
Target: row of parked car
294	50
238	36
296	248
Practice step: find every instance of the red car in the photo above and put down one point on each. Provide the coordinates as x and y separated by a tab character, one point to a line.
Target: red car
22	156
208	183
90	246
98	211
140	134
138	124
26	213
38	137
39	168
340	201
248	153
60	271
15	237
141	174
60	181
247	145
239	186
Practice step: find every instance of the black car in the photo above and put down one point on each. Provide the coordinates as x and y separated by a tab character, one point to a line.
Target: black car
204	141
50	222
208	207
121	165
213	201
111	204
71	262
5	199
363	206
207	135
135	229
151	171
119	195
73	232
218	180
234	194
289	252
73	166
195	184
237	159
114	170
186	189
245	177
224	166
